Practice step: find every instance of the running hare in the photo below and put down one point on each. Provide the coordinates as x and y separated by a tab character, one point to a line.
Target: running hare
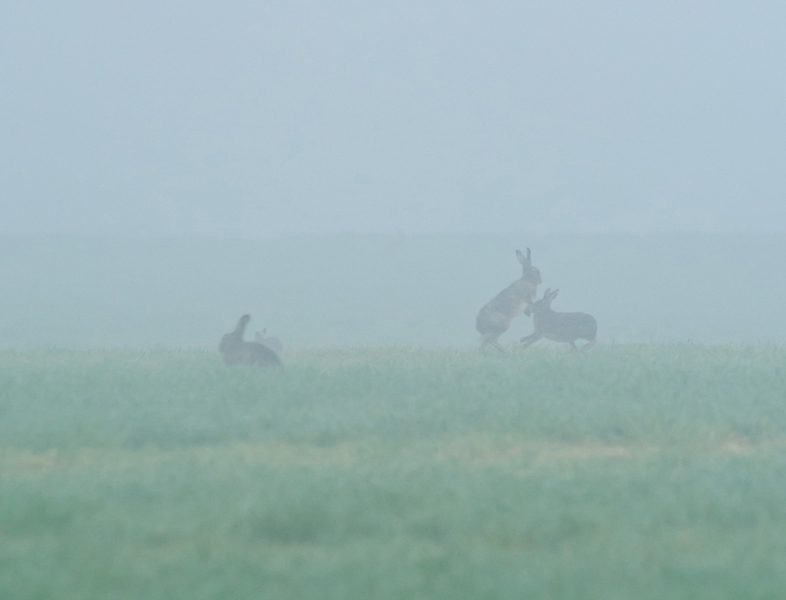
494	319
560	327
237	352
271	342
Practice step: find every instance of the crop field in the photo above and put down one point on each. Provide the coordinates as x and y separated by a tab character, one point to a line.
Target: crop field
631	471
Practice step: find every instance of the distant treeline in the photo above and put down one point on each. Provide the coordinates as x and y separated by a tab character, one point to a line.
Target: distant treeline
380	290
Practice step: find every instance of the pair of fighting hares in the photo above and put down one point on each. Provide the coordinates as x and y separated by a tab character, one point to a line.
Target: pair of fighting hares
261	352
495	317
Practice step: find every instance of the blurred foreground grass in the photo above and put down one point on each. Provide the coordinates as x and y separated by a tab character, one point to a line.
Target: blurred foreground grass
653	471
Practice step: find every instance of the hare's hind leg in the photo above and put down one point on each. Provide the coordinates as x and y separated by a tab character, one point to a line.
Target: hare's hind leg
490	338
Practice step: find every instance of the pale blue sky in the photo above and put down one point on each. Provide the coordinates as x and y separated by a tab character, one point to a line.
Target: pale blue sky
248	118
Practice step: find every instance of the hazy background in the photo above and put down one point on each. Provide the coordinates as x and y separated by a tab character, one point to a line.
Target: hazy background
354	289
262	118
165	165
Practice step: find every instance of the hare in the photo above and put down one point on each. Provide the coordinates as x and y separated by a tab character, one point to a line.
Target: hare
560	327
495	317
237	352
271	342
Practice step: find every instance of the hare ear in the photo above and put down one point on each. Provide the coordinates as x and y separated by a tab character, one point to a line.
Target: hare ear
241	324
546	293
529	256
264	331
524	260
554	294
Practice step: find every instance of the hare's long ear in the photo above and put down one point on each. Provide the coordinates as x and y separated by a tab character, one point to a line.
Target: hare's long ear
546	294
241	324
529	256
524	260
554	294
264	332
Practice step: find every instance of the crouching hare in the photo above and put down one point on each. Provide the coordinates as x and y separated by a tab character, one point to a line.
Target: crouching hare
560	327
495	317
237	352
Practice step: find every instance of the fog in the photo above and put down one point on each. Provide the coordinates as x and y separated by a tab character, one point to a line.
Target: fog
363	172
248	118
351	289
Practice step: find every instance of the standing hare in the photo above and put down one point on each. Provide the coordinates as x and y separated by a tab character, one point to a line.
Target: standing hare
237	352
271	342
560	327
494	319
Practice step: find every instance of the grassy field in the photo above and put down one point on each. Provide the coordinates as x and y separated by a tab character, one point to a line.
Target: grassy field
632	471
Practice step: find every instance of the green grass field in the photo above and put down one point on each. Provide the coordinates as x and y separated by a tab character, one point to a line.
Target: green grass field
632	471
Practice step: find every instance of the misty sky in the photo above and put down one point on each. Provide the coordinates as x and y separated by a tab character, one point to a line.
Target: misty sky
250	118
